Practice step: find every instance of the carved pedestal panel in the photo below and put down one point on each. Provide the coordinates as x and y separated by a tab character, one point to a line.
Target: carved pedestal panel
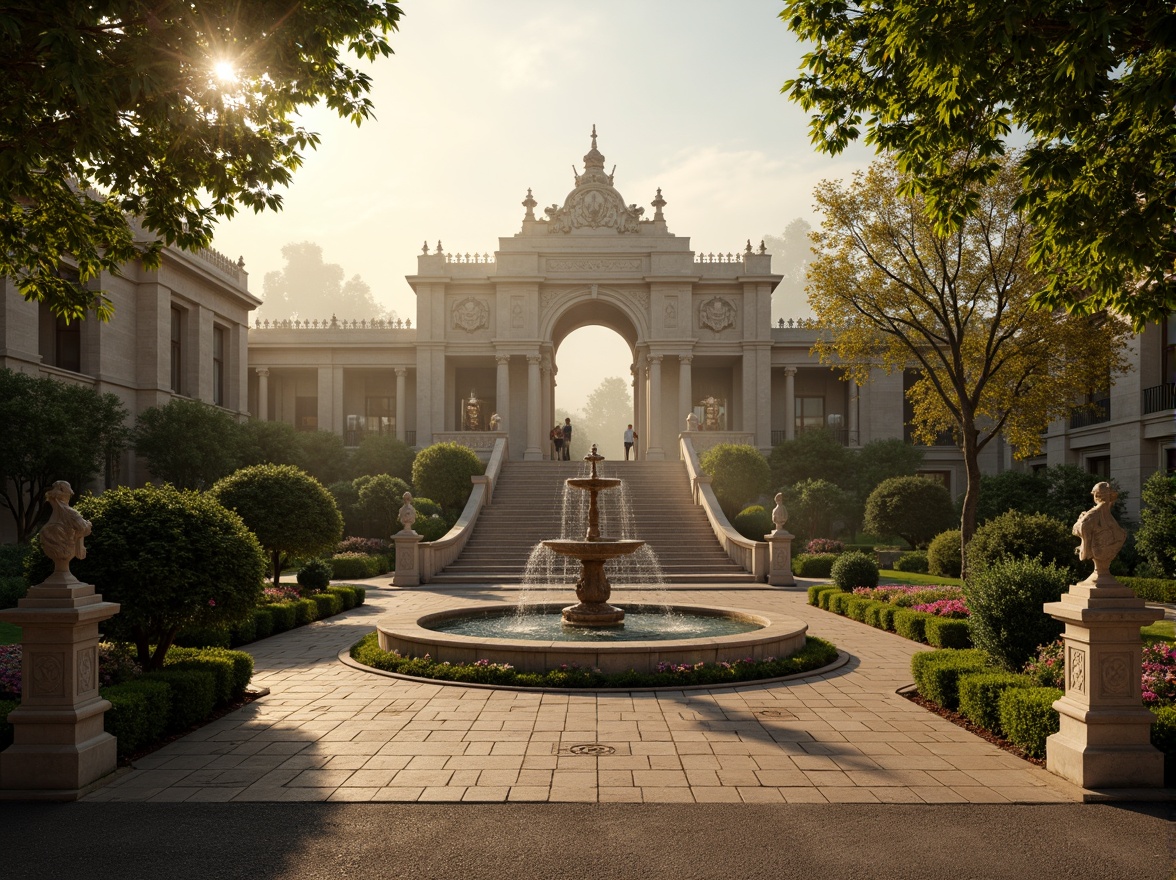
780	558
408	569
1104	737
59	745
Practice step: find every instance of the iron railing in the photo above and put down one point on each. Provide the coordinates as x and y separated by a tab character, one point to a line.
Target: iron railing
1094	413
1159	398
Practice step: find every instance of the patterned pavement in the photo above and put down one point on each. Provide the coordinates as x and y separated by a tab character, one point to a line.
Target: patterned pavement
330	732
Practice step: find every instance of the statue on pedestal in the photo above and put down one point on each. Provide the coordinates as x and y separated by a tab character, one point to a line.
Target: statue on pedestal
407	514
779	513
691	422
472	420
495	422
63	537
1102	537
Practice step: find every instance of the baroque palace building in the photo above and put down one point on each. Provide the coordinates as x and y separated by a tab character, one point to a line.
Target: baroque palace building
481	357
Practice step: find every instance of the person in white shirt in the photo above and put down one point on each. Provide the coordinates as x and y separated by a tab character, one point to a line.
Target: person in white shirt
630	438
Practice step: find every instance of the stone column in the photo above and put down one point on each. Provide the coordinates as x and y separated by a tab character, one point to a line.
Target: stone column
780	558
1104	737
534	451
401	408
547	377
502	390
685	391
638	408
59	745
790	403
655	453
263	394
851	416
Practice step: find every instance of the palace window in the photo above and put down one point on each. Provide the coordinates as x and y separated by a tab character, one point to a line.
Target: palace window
810	413
177	350
218	365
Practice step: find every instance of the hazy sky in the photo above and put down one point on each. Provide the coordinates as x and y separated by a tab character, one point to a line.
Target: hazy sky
483	100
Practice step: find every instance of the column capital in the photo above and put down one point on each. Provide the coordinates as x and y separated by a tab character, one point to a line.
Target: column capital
534	360
401	371
655	359
790	371
502	359
263	371
685	358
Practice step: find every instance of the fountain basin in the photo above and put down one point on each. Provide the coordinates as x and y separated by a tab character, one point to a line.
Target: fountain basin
410	635
602	549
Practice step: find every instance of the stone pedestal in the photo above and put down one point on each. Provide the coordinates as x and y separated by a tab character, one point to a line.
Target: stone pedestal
780	558
59	745
408	569
1104	736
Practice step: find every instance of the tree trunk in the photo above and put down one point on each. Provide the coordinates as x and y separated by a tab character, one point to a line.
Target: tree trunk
277	564
972	493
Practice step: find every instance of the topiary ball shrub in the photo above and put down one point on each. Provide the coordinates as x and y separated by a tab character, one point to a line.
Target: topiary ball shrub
315	576
980	696
943	554
753	522
915	508
912	561
739	473
853	570
1005	600
443	471
1027	717
1016	535
813	565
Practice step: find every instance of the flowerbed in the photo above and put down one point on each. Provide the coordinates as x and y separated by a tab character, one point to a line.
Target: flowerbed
283	607
933	615
815	654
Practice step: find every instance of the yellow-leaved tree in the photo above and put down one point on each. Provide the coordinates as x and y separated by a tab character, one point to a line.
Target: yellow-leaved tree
890	292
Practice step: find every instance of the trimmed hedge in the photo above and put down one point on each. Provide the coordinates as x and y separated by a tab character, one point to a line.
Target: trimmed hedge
138	713
204	636
856	606
911	624
346	596
263	622
1152	589
825	598
912	561
937	673
12	589
355	565
192	693
886	616
326	604
813	565
239	665
1163	730
874	614
244	631
980	696
839	602
1027	717
946	632
285	615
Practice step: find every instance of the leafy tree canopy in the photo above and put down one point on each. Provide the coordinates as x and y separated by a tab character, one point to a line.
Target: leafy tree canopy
1157	530
324	456
442	472
309	288
896	293
608	411
382	454
941	86
181	113
52	431
187	443
739	473
290	511
914	508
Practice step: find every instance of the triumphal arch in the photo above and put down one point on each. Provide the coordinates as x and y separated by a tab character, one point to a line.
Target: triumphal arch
699	325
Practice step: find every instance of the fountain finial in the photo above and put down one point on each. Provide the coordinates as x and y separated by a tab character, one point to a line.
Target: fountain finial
593	457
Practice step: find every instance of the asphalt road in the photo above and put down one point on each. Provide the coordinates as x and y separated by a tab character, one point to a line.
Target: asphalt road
113	841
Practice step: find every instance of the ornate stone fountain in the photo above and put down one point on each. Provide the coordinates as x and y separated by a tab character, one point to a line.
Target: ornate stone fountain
593	588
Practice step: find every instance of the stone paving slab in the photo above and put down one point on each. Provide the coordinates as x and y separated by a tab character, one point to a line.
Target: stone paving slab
330	732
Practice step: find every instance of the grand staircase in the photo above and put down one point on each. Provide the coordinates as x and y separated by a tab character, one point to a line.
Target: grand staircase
527	506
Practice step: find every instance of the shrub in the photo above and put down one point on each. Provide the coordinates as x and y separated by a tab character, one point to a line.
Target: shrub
1156	536
12	590
753	522
244	631
945	632
815	565
360	593
980	696
937	673
824	545
855	608
815	505
914	561
1027	717
1163	730
430	528
428	507
1048	668
825	598
380	500
240	665
328	604
346	596
325	456
305	611
839	602
943	554
138	713
290	511
854	570
12	560
874	614
443	471
1005	600
172	559
886	616
1152	589
1014	535
191	692
911	624
355	565
814	454
315	576
382	454
739	474
366	546
284	615
816	589
263	622
187	443
204	636
915	508
221	670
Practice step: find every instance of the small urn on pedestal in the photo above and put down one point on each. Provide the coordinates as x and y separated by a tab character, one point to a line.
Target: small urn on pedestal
780	547
408	571
1103	741
59	744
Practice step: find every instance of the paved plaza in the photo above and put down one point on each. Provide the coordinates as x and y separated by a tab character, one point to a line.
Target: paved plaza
330	732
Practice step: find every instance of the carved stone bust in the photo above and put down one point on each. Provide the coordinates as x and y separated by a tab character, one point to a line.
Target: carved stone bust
1101	535
62	538
408	514
779	513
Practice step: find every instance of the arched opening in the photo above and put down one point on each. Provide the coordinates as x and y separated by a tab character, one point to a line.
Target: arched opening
593	344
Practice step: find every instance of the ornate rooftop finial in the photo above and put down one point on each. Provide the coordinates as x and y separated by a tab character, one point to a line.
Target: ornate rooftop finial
658	203
439	247
529	203
763	248
748	248
594	141
425	248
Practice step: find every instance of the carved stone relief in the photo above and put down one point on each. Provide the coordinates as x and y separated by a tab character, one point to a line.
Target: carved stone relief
516	312
671	311
594	206
48	675
1076	671
593	264
471	314
1115	676
716	313
87	662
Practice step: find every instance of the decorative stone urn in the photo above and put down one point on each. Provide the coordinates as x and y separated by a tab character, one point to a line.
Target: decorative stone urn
1103	741
780	547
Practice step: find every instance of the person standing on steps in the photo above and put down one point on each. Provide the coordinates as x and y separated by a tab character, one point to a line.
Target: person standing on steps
630	438
567	439
557	443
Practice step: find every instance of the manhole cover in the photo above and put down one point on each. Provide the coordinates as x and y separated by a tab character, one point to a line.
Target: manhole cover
592	749
774	713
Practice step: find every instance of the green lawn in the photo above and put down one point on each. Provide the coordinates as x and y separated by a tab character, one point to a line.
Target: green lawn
1161	631
9	633
890	576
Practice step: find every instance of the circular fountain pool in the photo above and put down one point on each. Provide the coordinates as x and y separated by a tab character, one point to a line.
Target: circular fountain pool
688	634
